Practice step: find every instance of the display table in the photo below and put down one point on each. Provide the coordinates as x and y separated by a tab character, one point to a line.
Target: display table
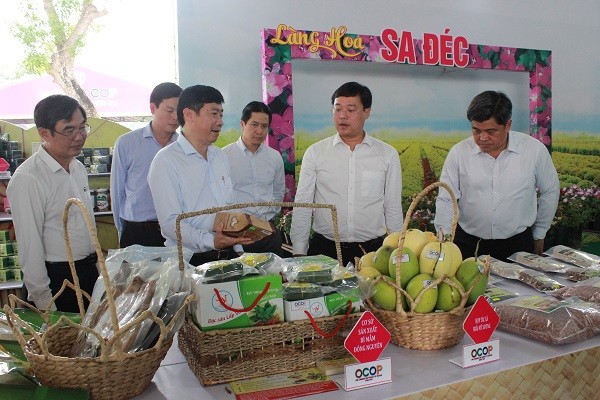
526	369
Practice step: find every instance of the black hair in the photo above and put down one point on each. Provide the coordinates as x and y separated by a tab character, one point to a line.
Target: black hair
57	107
490	104
255	107
163	91
194	97
351	89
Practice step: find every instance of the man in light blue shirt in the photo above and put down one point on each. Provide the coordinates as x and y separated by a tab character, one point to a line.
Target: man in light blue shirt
257	172
133	208
191	175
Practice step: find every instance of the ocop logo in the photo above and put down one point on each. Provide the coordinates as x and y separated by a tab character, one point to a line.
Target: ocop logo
484	351
368	372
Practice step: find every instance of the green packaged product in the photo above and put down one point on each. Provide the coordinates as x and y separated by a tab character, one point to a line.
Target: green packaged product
301	290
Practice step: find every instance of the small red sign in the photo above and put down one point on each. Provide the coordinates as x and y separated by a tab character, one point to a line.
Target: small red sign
3	165
368	338
482	321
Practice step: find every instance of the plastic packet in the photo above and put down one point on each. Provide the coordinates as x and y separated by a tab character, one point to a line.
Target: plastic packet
167	311
293	291
575	257
549	320
222	271
545	264
536	279
588	290
144	287
14	368
264	263
312	269
495	294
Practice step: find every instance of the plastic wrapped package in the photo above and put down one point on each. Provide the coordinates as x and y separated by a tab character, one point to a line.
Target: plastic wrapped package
549	320
139	286
588	290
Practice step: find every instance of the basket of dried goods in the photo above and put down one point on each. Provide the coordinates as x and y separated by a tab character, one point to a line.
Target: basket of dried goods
122	338
247	322
422	285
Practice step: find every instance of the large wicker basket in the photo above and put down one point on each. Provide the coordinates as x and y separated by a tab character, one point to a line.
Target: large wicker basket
431	331
112	375
224	355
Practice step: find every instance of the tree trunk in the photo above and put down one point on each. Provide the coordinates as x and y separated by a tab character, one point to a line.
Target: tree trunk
63	73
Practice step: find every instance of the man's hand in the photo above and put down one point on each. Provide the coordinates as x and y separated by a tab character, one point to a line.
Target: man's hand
538	246
223	241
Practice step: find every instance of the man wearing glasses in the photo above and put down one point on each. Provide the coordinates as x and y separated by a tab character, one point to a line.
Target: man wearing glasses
38	192
505	183
358	174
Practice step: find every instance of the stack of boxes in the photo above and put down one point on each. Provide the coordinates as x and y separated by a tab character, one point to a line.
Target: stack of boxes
9	150
97	160
9	259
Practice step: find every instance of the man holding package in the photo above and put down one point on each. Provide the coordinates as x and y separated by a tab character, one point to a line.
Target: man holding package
257	172
191	175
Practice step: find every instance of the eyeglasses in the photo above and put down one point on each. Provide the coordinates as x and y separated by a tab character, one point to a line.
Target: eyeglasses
337	111
70	132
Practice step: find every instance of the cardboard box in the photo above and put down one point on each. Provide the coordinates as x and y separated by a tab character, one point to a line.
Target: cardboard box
11	274
239	295
324	306
8	249
4	234
237	224
9	262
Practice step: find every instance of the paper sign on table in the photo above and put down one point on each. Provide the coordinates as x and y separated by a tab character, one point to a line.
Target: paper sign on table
479	325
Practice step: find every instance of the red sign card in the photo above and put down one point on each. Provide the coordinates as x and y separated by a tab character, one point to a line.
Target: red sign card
368	338
482	321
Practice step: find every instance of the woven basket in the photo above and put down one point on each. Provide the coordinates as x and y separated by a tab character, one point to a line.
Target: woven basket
114	374
431	331
224	355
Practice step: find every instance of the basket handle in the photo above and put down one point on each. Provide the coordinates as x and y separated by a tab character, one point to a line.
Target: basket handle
238	206
407	218
101	261
336	329
241	310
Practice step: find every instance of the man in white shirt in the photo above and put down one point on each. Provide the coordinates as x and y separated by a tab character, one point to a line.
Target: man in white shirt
358	174
257	172
192	175
505	183
38	192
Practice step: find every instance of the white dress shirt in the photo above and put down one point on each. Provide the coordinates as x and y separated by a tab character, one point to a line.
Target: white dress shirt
182	181
497	197
257	177
365	185
38	192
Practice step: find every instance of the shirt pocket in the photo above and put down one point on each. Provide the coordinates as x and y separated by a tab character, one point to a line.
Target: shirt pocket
372	183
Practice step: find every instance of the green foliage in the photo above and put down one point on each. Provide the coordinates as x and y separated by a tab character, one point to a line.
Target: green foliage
45	33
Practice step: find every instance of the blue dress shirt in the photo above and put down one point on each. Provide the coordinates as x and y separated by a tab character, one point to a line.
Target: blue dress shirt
129	190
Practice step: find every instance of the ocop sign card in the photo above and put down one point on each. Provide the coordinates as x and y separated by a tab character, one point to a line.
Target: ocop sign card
366	342
480	324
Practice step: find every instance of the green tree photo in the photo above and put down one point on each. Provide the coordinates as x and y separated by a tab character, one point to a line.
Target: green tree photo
53	34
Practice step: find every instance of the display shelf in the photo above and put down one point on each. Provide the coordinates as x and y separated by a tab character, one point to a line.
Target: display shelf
11	285
5	217
99	174
101	213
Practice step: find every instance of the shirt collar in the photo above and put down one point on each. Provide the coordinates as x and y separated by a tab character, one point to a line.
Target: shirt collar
147	131
366	140
187	147
52	164
243	148
512	145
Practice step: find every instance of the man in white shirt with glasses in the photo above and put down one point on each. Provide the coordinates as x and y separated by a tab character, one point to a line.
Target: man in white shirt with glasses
358	174
38	192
